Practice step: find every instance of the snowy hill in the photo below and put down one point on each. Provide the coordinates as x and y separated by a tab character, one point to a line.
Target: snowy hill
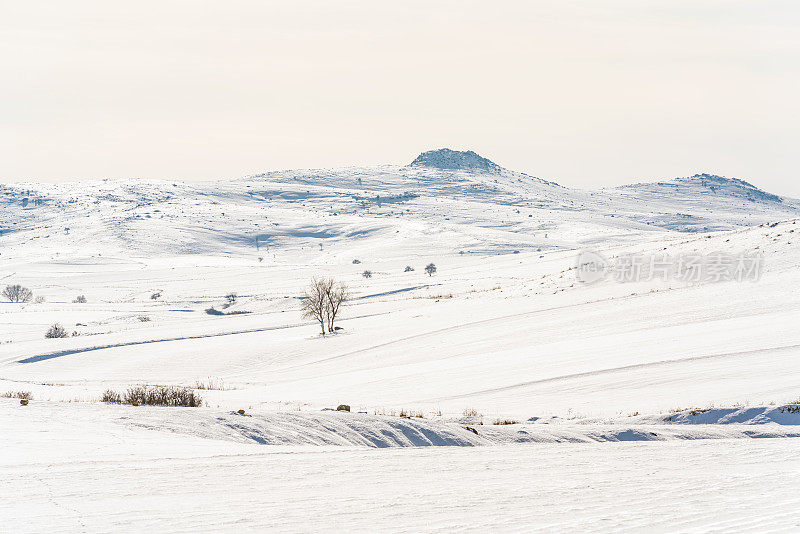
445	198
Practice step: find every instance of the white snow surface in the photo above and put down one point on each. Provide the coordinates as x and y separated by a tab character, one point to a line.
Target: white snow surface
502	333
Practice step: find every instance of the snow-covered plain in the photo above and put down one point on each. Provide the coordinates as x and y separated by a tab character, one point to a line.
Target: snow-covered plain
504	331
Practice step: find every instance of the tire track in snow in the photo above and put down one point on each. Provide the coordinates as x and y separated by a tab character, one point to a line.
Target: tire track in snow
67	352
460	326
612	370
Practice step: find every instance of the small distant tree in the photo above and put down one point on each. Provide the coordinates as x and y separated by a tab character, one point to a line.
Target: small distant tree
356	261
17	293
430	269
408	269
231	297
56	331
367	274
80	299
156	295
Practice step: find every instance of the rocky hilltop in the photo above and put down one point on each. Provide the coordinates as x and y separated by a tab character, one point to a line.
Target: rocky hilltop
445	158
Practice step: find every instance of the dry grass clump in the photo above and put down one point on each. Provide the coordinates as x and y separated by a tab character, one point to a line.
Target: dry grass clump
506	422
436	297
24	395
404	412
154	396
210	383
692	411
470	412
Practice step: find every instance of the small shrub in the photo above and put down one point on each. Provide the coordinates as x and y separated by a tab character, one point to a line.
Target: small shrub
24	395
143	319
156	295
80	299
39	299
56	331
408	269
470	412
356	262
430	269
231	297
111	396
367	274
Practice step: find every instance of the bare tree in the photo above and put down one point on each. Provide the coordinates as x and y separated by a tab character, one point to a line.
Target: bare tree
315	301
367	274
430	269
17	293
336	295
322	301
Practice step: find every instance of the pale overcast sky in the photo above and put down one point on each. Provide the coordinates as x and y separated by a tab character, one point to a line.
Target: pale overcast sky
586	93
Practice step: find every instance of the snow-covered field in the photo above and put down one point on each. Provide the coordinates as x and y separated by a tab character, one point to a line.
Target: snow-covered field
124	481
504	331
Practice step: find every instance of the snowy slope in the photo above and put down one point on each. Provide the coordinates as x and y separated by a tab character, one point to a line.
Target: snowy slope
509	335
455	200
126	479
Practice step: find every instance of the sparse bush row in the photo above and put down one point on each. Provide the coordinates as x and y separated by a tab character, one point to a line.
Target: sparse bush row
430	269
24	395
154	396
